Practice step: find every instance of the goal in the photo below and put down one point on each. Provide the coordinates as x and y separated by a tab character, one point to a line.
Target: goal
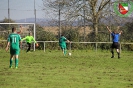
23	28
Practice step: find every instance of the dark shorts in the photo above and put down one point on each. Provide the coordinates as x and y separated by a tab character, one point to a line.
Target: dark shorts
115	45
14	51
29	44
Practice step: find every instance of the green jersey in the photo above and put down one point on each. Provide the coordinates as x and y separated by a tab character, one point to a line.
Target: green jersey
62	41
14	40
29	39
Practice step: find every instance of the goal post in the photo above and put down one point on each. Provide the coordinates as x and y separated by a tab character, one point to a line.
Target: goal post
3	28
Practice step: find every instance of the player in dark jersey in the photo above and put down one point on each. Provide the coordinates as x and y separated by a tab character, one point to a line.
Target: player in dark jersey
115	39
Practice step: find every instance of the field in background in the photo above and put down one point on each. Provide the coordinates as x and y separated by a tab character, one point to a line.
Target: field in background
55	29
84	69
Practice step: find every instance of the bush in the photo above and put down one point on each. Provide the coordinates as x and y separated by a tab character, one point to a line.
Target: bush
42	35
2	43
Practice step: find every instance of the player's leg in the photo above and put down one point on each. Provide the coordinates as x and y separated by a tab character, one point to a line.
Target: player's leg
11	60
11	57
16	61
61	48
16	57
112	51
118	49
118	52
64	49
29	45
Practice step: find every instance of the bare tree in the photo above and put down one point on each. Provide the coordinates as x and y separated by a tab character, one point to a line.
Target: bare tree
55	7
91	10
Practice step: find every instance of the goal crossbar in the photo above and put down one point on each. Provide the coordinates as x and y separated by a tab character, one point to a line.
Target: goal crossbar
17	23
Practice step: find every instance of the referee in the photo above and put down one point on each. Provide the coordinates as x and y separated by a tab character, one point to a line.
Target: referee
115	39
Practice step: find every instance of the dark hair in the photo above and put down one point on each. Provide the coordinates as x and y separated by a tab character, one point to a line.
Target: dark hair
13	29
30	33
62	34
115	31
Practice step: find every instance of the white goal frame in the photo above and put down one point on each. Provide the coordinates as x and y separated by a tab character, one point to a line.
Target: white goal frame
27	23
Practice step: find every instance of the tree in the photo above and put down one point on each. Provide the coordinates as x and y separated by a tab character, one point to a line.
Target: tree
6	26
55	6
91	10
127	32
94	11
45	36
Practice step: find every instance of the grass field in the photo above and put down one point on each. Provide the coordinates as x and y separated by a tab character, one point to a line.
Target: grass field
84	69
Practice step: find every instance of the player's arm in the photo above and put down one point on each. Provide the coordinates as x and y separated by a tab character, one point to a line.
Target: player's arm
23	39
120	32
7	46
109	29
20	42
35	42
33	39
8	43
20	30
65	39
68	41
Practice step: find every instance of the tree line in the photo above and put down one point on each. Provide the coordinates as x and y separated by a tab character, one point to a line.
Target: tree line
73	34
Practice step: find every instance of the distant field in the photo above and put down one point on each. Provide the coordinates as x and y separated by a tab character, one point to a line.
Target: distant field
55	29
84	69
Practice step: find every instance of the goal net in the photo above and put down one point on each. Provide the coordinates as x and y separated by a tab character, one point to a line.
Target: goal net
22	28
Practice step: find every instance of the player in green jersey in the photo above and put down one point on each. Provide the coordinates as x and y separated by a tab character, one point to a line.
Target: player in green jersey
29	39
14	41
62	44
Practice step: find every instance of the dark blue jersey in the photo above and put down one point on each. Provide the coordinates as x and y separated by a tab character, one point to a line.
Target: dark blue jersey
115	37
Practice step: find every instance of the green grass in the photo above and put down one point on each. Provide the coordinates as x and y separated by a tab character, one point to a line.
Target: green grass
84	69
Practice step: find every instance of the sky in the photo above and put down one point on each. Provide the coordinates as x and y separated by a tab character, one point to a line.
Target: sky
21	9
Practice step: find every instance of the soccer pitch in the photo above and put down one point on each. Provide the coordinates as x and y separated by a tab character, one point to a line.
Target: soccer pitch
84	69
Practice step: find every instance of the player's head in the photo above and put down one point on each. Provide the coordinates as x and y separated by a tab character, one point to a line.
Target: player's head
13	29
62	35
115	31
30	33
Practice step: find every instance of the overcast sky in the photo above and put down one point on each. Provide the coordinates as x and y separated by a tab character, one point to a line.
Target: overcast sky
21	9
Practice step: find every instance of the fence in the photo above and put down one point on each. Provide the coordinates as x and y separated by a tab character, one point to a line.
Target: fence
96	44
70	45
